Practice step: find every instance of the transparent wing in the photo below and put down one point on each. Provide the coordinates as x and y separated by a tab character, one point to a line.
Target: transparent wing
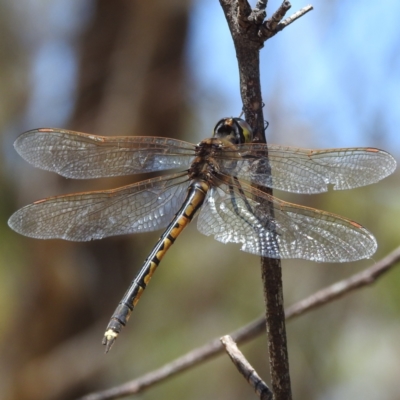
79	155
307	171
243	215
142	207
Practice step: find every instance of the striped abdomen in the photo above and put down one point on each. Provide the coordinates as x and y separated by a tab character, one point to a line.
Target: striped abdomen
194	200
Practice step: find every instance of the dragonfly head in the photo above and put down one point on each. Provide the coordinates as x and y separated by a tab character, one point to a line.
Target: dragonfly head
235	130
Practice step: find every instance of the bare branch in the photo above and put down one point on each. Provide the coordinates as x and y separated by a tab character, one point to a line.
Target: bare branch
261	5
252	330
277	16
270	29
271	272
244	367
294	17
247	29
247	46
243	13
183	363
339	289
259	12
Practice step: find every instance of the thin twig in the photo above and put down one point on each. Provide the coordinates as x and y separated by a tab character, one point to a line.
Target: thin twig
294	17
270	28
244	367
259	12
247	46
271	272
246	28
261	5
252	330
243	14
277	16
339	289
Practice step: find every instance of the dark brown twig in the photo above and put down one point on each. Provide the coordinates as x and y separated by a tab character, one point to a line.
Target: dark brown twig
249	33
247	45
243	14
345	286
294	17
259	12
271	272
252	330
271	23
267	32
261	5
244	367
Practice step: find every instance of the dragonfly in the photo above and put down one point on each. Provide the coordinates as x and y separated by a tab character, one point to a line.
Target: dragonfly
221	181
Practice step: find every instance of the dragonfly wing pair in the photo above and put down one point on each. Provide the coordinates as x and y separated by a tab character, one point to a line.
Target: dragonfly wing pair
235	213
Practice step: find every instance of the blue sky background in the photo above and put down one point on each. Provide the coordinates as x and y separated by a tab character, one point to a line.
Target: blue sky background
337	68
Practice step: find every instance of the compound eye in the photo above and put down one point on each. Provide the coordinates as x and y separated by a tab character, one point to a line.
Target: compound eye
219	125
246	131
226	129
236	130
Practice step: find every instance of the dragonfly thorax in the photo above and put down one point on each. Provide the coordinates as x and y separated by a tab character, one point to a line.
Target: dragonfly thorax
205	165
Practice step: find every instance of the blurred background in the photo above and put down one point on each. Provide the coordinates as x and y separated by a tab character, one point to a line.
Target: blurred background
331	79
